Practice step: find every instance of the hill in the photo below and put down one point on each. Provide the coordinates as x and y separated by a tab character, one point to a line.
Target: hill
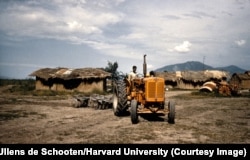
198	66
232	69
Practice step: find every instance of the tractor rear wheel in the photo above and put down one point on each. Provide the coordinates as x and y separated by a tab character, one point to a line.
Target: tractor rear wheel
171	113
119	98
134	115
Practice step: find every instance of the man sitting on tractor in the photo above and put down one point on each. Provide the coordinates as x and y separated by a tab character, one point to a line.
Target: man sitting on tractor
132	74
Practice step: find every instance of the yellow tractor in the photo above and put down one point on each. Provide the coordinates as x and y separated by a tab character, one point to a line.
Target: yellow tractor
142	95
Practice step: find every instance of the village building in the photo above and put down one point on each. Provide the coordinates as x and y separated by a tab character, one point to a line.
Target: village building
64	79
241	80
191	79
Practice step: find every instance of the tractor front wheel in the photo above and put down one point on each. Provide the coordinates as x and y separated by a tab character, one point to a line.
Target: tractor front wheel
171	113
134	115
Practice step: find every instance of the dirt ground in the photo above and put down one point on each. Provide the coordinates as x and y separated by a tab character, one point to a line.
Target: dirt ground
30	119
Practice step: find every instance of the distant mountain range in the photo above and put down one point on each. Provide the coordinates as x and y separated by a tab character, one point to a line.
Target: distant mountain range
198	66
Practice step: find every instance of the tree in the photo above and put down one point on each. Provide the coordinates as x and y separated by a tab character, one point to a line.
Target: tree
112	68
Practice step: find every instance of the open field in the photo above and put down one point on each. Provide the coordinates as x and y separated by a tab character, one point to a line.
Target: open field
52	119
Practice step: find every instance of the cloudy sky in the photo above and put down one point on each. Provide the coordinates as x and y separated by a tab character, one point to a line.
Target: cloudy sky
36	34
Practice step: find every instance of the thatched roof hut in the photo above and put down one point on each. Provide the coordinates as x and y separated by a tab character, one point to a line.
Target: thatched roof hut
65	79
168	76
203	76
241	80
191	79
194	75
66	73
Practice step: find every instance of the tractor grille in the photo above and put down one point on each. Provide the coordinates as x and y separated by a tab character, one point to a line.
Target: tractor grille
154	89
151	89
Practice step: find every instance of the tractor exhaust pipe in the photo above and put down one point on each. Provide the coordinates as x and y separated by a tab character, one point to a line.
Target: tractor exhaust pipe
145	66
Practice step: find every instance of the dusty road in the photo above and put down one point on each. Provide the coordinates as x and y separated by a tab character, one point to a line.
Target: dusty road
34	119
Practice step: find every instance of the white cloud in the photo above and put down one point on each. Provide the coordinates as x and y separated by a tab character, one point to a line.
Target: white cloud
240	42
58	21
184	47
133	36
150	66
